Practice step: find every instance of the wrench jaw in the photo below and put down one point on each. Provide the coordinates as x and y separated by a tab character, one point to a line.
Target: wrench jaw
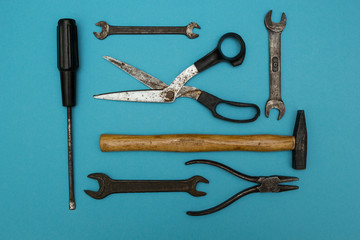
104	30
193	182
103	181
189	30
272	26
278	104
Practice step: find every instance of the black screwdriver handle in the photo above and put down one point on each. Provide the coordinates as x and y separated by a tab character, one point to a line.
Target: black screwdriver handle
68	60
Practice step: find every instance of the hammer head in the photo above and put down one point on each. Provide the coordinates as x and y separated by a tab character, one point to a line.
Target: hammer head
300	134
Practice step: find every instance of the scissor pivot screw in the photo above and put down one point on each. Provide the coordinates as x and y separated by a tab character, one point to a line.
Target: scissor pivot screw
169	96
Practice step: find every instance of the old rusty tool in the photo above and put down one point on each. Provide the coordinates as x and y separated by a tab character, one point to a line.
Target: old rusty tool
164	93
275	30
68	63
265	184
109	186
107	30
206	143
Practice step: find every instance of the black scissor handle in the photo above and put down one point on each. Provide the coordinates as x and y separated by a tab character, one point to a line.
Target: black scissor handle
211	102
217	55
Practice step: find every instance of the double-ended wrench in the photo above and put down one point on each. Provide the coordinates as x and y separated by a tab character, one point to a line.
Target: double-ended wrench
107	30
109	186
275	30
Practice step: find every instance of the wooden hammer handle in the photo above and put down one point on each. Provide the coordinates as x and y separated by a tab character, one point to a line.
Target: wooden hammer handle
196	143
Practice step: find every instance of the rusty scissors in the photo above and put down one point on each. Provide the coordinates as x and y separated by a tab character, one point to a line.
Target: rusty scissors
163	93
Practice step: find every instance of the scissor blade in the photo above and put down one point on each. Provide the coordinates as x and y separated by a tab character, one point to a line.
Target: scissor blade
134	96
182	79
138	74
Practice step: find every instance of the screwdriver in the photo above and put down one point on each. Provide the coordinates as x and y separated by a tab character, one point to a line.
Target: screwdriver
68	62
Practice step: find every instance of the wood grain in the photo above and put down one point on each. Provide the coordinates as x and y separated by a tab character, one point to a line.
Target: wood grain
196	143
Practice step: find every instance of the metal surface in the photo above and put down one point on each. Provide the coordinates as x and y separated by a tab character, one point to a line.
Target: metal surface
265	184
170	93
300	133
167	94
107	30
109	186
72	205
134	96
152	82
275	30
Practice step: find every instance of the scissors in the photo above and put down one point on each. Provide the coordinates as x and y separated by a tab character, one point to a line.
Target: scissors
163	93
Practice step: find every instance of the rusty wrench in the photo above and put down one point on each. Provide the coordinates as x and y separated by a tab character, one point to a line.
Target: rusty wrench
109	186
107	30
275	30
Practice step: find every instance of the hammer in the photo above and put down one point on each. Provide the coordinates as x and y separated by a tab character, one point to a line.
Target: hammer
207	143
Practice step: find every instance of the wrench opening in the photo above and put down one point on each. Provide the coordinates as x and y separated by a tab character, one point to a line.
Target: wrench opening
194	181
273	26
277	104
189	30
104	30
102	181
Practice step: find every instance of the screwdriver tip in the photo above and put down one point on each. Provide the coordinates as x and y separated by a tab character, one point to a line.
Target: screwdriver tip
72	205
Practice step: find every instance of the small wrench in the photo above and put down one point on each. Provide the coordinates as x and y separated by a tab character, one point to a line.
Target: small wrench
110	30
109	186
275	30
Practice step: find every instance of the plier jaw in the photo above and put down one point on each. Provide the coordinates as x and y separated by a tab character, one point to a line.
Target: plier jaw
271	184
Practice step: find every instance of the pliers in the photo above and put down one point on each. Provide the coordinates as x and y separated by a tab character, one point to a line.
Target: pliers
265	184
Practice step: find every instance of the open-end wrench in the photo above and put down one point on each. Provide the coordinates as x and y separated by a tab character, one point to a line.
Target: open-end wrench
107	30
109	186
275	30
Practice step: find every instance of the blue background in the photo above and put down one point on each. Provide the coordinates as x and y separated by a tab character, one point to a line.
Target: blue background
320	73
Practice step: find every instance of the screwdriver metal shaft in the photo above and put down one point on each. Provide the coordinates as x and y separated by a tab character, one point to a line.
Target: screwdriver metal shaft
68	62
72	204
